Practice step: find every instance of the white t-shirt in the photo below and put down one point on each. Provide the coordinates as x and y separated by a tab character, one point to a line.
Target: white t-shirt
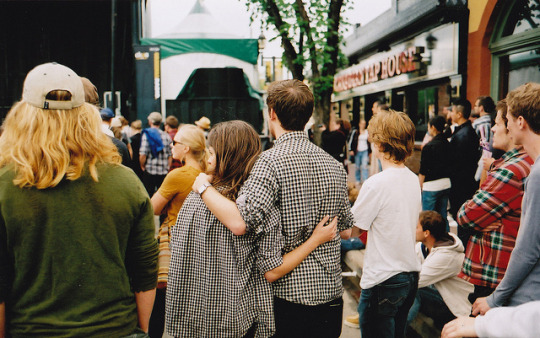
388	207
363	141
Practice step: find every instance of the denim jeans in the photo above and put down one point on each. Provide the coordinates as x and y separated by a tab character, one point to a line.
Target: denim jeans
383	308
429	301
353	243
361	160
437	201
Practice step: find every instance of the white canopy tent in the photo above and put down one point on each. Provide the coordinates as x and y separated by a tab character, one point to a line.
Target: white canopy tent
199	41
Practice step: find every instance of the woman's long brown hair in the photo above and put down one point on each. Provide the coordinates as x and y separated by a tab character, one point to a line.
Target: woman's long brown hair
237	146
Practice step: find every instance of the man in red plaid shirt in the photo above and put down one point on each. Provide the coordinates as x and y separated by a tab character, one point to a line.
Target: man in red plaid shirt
494	212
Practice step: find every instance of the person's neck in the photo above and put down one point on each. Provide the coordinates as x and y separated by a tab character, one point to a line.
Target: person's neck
153	126
389	163
429	242
192	162
483	113
532	146
462	121
278	130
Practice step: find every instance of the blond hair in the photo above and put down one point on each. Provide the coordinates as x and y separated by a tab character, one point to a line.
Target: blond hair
46	146
393	132
193	137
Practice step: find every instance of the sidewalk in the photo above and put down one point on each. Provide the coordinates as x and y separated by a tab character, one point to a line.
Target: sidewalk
349	308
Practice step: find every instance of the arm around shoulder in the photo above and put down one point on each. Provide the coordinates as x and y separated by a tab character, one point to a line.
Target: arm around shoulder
223	208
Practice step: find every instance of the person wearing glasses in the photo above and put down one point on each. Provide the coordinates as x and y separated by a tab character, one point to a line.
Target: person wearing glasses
188	146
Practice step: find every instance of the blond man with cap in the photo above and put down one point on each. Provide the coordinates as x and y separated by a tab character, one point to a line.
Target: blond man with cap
155	154
77	251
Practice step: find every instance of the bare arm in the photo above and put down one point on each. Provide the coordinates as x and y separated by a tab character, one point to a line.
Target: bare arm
169	160
223	208
291	260
421	178
357	232
145	303
345	234
2	320
158	203
142	160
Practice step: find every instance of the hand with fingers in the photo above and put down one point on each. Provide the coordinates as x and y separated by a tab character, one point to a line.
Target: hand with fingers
480	306
325	232
459	327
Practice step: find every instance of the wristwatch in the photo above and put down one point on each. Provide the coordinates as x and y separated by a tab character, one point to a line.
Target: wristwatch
203	187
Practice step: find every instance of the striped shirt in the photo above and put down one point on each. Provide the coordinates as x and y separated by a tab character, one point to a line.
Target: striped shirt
498	200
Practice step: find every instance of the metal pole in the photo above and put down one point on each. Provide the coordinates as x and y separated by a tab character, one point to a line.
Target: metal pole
273	68
113	42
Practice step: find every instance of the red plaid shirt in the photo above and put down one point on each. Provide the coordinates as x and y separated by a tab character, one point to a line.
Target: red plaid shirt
494	211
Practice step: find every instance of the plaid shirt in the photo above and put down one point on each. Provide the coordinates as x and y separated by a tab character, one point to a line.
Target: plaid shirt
499	199
304	183
216	285
157	165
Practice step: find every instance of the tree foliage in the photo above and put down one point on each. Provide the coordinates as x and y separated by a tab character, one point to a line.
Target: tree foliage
311	32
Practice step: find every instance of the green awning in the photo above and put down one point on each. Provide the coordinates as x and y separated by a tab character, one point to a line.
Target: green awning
243	49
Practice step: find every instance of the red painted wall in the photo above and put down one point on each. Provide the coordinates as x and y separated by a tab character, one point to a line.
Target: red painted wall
479	56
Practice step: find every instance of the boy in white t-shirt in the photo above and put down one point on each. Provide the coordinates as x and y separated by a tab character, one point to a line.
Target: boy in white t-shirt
387	208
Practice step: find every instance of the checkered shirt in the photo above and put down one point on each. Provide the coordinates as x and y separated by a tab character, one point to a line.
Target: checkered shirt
499	199
157	165
304	183
216	284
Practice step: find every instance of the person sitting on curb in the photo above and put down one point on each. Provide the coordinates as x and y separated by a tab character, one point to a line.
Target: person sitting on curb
441	295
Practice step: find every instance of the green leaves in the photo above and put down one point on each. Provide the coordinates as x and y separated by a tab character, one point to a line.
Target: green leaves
311	32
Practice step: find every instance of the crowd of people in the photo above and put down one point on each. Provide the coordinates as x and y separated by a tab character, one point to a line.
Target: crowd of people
249	241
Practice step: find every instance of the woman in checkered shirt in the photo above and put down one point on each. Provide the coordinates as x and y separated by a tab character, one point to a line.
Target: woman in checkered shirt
217	285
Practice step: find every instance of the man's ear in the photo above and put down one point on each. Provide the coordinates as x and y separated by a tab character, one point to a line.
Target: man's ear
521	123
272	114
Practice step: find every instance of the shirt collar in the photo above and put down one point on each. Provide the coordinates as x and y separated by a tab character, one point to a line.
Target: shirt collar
513	153
291	135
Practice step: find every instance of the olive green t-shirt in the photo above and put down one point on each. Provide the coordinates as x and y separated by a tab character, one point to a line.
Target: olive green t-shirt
72	256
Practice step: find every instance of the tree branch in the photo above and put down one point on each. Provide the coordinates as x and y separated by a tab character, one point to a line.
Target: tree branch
334	14
272	9
305	26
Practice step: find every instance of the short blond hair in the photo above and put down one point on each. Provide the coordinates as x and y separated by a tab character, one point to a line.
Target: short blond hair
193	137
45	146
393	132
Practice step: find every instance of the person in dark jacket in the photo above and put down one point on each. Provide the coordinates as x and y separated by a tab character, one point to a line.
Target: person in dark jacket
435	165
465	147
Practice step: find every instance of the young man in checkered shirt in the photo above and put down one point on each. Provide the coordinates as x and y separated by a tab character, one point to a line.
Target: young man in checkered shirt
494	213
305	184
520	282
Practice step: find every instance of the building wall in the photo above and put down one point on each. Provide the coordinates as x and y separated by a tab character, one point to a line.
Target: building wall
481	22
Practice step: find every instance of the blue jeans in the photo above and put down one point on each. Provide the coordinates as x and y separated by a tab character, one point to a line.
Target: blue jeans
429	301
437	201
361	160
353	243
383	308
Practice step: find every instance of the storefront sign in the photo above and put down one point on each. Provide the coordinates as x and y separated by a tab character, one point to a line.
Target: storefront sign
392	65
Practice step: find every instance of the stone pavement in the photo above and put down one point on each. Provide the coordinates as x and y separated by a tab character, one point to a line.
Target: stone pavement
349	308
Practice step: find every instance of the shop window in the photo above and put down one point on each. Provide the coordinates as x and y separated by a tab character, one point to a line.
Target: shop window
524	17
427	101
515	46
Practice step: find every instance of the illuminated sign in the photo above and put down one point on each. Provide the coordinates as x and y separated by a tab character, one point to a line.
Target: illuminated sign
392	65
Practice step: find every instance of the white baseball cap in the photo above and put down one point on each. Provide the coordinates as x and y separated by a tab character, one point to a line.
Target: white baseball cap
47	77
